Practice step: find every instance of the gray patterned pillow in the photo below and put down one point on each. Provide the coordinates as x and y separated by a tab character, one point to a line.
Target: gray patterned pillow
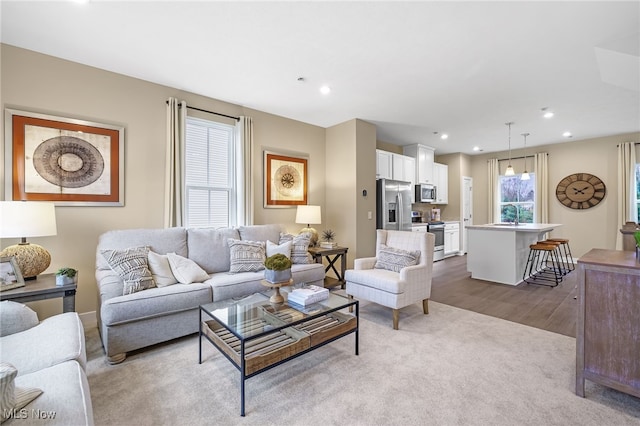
13	398
132	266
246	256
299	246
394	259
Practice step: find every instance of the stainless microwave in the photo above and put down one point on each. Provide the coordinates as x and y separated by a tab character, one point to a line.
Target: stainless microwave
425	193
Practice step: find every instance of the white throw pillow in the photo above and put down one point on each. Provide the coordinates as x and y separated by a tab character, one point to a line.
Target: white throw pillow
11	397
284	248
186	270
161	269
394	259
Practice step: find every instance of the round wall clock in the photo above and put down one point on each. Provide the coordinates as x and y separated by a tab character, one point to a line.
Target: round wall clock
580	191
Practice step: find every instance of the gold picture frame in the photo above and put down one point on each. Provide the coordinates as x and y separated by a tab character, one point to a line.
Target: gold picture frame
285	180
10	275
68	161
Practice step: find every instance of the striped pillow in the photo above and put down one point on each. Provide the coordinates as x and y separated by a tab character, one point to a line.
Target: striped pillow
394	259
13	398
132	266
246	256
299	246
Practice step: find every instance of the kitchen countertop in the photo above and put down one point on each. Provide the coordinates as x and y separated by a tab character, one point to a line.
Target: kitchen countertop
522	227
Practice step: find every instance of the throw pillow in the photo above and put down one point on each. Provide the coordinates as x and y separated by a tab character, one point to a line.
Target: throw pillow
246	256
161	269
394	259
299	246
186	270
132	266
284	248
16	317
11	397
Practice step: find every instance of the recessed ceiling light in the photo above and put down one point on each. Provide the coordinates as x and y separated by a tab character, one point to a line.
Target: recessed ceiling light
476	148
325	90
567	134
444	136
546	113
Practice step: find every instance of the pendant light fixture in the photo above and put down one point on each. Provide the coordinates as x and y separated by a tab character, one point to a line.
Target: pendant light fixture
525	175
509	171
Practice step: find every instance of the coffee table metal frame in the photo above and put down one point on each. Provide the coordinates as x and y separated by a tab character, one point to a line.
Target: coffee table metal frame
333	304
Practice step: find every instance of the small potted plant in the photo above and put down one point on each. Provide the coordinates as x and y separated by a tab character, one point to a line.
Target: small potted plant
66	276
277	268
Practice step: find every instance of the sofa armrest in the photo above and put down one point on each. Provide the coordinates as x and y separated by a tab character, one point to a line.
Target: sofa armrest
364	263
16	317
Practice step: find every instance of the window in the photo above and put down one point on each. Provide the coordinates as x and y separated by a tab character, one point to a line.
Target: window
210	185
517	199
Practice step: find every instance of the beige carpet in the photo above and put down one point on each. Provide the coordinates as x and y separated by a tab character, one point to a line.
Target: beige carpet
452	367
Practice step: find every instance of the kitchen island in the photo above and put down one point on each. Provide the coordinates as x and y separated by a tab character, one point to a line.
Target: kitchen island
498	252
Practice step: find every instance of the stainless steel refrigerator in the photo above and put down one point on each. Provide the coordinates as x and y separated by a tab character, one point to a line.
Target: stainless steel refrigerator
393	204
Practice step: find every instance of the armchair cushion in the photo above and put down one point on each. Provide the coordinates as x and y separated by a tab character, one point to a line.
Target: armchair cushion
16	317
394	259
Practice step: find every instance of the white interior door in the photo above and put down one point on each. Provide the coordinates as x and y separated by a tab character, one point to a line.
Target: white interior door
467	209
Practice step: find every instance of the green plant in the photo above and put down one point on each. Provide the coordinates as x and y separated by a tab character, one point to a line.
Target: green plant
67	272
636	235
328	235
277	262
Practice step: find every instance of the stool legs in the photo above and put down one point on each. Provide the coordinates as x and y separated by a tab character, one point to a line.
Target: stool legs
543	266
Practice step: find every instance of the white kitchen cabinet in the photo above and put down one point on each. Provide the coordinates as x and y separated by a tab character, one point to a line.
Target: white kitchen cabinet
451	238
441	181
384	164
424	159
419	228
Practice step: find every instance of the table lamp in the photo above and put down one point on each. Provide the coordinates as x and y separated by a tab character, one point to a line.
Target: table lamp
22	219
311	216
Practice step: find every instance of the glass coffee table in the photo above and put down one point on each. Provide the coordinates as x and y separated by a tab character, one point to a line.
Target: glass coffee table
256	334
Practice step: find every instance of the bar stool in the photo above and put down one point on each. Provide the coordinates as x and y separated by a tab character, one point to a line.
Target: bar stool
562	267
542	266
566	252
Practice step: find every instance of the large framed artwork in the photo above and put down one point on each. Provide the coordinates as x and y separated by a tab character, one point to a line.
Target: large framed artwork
285	180
65	160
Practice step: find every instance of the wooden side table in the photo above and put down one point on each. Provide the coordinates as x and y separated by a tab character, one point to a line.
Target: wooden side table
338	253
44	287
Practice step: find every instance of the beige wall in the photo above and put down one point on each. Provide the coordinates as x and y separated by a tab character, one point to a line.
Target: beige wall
365	245
40	83
586	229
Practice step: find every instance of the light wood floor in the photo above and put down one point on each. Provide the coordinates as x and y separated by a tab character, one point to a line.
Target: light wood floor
549	308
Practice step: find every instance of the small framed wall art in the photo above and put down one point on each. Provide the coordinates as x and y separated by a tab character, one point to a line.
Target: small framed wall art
10	275
71	162
285	180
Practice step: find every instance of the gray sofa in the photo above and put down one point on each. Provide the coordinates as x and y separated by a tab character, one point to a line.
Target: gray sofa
49	356
133	321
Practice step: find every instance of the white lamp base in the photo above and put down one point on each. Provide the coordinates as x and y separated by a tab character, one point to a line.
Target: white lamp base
32	259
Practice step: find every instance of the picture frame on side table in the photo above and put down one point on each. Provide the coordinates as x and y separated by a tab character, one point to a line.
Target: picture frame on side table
10	274
65	160
285	180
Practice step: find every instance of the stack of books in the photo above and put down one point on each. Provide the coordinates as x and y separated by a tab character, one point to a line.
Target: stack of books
327	244
308	295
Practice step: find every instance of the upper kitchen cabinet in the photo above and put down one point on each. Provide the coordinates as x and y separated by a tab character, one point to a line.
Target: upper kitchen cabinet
404	168
441	182
424	159
384	164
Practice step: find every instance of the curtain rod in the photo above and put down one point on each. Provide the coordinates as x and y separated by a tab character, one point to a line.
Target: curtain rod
210	112
519	158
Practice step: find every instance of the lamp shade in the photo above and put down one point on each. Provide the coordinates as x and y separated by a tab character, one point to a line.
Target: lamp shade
308	214
21	219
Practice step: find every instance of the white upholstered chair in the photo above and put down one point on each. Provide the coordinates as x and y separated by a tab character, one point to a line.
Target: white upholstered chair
374	279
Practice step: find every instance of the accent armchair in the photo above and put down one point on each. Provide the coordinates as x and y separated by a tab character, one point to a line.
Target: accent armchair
399	275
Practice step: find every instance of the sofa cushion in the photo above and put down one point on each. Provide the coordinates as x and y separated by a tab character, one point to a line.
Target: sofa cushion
284	248
16	317
186	270
299	246
154	303
260	233
394	259
208	247
11	397
161	269
57	339
65	393
132	265
246	256
377	279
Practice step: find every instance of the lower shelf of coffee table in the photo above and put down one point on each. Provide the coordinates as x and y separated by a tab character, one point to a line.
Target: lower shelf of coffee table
277	346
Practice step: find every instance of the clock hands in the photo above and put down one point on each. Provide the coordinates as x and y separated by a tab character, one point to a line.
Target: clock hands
577	191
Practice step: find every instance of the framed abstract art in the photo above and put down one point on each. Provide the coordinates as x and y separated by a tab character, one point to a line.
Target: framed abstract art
285	180
65	160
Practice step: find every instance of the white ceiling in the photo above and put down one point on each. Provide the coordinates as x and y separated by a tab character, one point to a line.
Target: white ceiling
411	68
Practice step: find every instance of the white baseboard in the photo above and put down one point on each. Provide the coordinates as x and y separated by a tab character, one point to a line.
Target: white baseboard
89	320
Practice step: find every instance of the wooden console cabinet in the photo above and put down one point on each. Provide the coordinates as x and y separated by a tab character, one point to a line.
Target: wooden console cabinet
608	326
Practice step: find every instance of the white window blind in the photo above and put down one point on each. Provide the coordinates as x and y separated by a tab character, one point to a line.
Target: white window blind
209	174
